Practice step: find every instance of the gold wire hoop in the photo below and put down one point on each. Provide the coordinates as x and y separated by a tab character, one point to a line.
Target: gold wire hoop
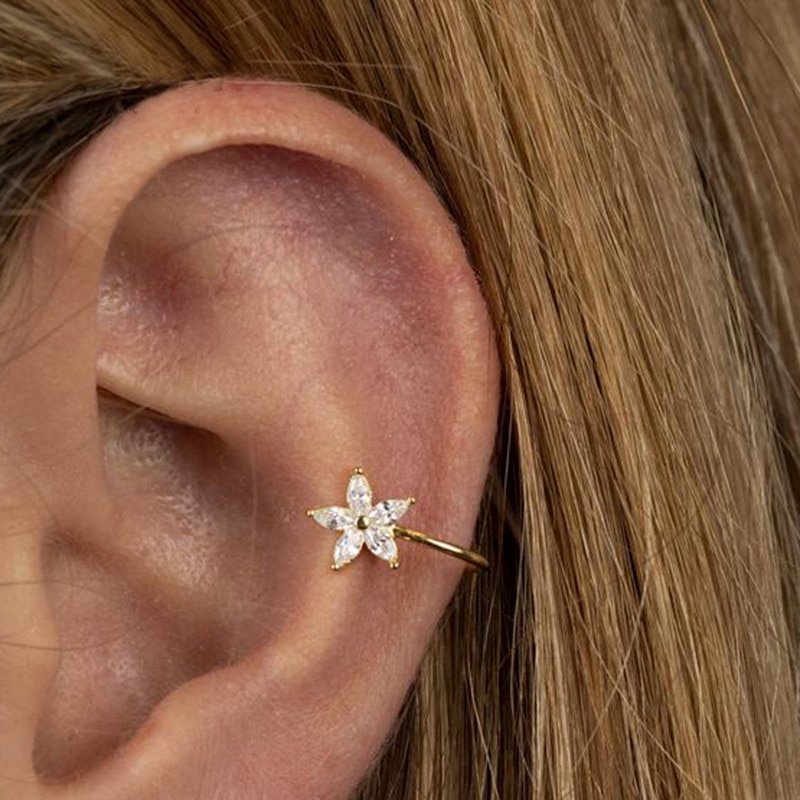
474	559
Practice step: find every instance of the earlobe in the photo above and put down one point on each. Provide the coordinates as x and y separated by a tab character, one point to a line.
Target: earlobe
266	294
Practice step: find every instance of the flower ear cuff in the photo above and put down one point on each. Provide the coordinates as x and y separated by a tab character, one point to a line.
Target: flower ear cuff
361	522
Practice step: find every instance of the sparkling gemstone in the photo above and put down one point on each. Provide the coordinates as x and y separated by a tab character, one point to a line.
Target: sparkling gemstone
388	511
348	546
381	543
359	494
335	518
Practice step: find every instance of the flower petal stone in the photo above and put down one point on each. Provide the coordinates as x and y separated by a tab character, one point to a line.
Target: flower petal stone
359	495
389	511
380	541
334	517
348	546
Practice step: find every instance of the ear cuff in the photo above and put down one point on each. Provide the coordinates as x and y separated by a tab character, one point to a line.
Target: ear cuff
361	522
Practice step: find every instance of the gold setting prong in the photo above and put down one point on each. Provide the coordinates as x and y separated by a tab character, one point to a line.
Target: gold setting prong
412	500
335	567
310	512
358	470
395	564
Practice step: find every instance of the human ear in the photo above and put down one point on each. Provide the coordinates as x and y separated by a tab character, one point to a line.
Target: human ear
231	297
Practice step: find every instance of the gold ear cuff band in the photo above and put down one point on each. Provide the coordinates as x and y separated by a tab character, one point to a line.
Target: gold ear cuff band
362	522
473	558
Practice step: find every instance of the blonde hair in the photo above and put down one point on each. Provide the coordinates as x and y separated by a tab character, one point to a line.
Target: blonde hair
625	177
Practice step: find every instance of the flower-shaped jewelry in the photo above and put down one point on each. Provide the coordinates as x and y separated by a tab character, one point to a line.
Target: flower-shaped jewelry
362	522
376	525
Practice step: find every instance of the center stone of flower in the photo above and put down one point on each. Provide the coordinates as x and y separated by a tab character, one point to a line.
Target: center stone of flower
362	523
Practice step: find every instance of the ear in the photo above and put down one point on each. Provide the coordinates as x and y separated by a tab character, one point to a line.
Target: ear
234	295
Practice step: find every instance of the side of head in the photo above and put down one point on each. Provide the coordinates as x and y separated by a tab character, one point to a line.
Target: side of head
530	263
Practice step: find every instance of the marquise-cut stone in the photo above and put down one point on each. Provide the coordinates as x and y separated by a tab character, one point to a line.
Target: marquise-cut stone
348	546
388	511
334	517
381	543
359	494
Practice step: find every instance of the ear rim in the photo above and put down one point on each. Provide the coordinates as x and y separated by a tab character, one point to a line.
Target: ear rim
189	109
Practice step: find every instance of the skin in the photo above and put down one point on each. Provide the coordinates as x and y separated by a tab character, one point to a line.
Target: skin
269	273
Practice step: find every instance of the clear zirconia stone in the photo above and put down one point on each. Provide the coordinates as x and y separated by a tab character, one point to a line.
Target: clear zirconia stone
381	543
359	494
348	546
335	518
389	511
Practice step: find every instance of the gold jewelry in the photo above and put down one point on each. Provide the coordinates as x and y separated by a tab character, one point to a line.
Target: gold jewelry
376	525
